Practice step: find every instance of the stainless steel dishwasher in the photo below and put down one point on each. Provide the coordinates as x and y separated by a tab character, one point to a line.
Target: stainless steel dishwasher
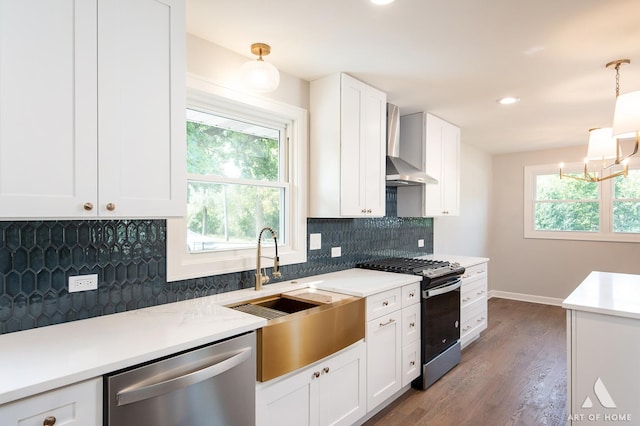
211	385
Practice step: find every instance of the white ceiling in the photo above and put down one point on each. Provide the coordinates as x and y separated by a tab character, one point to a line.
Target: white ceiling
453	58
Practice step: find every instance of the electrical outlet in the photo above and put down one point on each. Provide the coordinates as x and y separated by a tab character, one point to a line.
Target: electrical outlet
83	283
421	243
336	251
315	241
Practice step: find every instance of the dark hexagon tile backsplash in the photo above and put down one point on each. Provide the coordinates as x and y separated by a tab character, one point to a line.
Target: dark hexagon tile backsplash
129	256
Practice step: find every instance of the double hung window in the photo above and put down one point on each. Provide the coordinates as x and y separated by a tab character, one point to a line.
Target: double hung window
246	169
574	209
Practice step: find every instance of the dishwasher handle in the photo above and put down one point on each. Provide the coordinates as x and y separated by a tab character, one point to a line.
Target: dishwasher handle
135	393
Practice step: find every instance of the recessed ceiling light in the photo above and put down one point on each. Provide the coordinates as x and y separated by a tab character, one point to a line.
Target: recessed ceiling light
508	100
382	2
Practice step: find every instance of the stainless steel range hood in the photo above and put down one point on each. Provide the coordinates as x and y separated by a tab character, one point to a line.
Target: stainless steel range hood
399	172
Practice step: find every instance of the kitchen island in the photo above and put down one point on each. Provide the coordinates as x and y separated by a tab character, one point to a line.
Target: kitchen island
603	349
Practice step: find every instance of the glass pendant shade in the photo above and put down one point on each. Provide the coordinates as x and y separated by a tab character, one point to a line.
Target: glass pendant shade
260	75
626	117
602	144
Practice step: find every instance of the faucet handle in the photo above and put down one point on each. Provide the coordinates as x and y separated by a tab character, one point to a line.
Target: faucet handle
276	274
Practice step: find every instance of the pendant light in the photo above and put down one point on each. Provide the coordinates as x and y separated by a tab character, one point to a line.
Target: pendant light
259	75
604	144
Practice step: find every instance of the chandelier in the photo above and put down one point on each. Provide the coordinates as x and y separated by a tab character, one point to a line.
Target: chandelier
604	143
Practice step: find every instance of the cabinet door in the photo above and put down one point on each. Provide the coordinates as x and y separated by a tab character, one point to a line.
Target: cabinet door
433	201
342	390
451	169
442	161
48	108
384	358
288	402
141	139
362	150
78	404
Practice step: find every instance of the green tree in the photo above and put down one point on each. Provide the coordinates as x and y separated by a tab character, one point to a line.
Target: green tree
231	212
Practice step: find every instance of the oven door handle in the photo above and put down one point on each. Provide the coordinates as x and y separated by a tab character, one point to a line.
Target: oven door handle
442	290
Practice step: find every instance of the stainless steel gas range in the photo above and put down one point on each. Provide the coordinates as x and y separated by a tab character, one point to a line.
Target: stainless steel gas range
440	312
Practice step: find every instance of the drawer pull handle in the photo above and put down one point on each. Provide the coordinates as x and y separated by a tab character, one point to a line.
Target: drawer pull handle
325	370
385	303
467	328
88	207
466	299
411	325
49	421
412	363
315	375
412	294
384	324
480	319
111	207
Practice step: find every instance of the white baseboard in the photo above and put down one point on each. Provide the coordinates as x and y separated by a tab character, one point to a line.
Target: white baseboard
525	297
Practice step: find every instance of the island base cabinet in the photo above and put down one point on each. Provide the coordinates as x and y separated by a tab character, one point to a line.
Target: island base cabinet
78	404
602	367
329	392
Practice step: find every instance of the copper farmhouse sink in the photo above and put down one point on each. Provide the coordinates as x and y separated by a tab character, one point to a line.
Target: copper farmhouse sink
303	326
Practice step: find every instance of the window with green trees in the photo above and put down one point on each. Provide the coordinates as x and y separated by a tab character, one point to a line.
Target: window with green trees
235	186
574	209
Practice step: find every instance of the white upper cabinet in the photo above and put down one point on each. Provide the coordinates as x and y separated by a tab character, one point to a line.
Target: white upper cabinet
347	148
92	104
437	144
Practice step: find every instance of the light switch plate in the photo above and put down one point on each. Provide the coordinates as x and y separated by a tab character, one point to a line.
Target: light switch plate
336	251
421	243
315	241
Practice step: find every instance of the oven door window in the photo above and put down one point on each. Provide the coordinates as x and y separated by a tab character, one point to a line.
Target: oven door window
441	323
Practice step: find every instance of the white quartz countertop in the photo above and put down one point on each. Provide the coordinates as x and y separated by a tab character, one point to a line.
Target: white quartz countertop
607	293
46	358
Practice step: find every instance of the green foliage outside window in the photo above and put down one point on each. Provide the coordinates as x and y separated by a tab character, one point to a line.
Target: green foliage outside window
626	203
222	215
566	204
574	205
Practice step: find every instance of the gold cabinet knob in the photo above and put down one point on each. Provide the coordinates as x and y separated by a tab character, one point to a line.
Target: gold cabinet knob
49	421
88	206
111	207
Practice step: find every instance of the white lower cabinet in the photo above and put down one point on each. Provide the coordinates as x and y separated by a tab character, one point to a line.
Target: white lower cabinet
329	392
78	404
473	303
393	342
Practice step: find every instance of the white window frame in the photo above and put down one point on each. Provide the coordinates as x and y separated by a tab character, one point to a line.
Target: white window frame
605	190
182	264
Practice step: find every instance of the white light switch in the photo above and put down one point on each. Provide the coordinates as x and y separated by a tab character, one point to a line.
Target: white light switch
315	241
336	251
420	243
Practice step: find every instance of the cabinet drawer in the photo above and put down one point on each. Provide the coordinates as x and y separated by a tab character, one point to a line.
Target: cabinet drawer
78	404
383	303
410	324
474	271
410	294
410	362
472	291
473	321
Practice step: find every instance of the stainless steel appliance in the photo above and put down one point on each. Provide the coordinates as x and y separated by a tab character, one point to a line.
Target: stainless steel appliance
440	312
400	172
211	385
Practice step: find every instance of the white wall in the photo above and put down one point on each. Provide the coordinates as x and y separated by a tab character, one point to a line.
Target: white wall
221	66
547	268
468	234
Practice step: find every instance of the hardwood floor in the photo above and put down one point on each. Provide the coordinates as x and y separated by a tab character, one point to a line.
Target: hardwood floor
515	374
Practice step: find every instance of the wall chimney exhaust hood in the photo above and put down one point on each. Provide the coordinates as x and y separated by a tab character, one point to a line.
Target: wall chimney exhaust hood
399	172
